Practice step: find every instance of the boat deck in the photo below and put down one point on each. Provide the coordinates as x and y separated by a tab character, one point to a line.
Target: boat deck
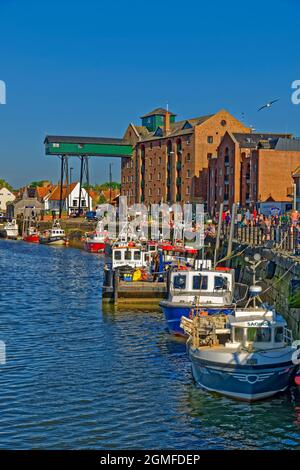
139	292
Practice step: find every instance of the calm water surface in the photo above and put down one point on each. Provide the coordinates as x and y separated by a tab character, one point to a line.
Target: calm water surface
77	377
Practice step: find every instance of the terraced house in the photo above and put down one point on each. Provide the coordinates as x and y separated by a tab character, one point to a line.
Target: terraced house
170	158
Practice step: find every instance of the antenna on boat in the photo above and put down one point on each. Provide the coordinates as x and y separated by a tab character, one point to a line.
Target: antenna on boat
217	245
254	289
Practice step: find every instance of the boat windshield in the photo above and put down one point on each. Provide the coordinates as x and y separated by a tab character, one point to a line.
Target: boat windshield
259	335
179	281
200	282
220	283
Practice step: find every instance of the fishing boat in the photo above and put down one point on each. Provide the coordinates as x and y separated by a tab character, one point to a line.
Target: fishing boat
128	273
95	242
10	230
202	287
31	235
248	355
55	236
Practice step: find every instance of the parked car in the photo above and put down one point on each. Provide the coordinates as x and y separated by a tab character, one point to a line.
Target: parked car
90	215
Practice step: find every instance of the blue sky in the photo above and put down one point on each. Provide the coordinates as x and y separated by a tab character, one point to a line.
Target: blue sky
91	67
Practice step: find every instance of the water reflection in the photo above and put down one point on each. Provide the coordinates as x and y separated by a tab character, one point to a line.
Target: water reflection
77	377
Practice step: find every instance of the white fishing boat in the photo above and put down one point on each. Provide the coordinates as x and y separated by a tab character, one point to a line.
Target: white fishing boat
10	230
248	355
55	236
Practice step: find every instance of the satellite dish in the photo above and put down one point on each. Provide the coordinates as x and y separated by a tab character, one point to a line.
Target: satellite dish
254	291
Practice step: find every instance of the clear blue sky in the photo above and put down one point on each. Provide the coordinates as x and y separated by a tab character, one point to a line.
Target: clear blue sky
91	67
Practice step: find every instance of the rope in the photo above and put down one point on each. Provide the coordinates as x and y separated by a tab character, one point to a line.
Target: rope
234	255
278	280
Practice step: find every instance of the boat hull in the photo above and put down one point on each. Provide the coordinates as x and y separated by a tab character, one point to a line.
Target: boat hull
94	247
241	381
31	238
52	241
9	233
173	313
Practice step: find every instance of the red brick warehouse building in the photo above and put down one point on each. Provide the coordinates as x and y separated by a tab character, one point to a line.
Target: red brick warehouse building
170	158
252	170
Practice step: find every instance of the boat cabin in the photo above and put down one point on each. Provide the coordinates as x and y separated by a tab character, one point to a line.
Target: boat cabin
258	329
212	287
132	256
57	232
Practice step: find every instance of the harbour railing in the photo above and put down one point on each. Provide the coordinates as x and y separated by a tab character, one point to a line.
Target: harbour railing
285	238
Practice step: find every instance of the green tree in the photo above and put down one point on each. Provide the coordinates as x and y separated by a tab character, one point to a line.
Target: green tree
105	186
36	184
101	199
5	184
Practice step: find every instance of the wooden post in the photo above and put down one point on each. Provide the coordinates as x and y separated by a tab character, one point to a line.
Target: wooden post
218	233
232	222
116	285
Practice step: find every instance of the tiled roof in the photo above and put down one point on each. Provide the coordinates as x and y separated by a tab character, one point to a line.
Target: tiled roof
114	194
159	111
176	128
142	131
55	195
93	194
43	191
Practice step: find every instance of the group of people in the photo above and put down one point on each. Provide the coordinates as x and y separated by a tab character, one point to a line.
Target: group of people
247	218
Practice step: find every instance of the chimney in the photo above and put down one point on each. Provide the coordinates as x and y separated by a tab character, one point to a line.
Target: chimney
167	123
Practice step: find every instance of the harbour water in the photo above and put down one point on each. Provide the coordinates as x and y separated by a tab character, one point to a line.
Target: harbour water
77	377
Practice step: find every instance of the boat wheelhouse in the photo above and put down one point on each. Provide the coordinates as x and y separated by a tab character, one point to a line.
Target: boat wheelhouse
31	235
206	288
131	255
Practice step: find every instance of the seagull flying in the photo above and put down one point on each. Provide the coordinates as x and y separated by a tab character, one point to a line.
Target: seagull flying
268	105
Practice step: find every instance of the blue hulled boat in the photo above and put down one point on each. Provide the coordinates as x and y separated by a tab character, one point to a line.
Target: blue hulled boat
248	355
210	290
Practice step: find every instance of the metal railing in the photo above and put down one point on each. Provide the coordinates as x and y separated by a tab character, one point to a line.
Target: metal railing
283	237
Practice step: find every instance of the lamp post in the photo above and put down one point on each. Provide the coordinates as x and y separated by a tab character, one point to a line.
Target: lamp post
71	169
110	182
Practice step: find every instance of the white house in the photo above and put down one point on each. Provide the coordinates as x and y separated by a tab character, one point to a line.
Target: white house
5	196
70	197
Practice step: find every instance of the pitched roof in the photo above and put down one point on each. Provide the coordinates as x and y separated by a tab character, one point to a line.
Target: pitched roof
176	128
252	140
43	191
93	194
159	111
290	145
55	194
114	194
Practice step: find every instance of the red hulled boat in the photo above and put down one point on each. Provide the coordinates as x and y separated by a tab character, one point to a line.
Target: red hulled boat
95	242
